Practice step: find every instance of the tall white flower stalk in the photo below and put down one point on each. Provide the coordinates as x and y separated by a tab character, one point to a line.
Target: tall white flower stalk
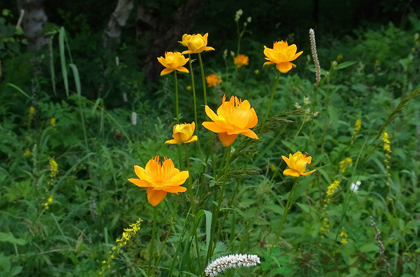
231	261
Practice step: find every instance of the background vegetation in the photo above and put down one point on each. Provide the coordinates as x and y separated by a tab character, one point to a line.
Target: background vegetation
64	222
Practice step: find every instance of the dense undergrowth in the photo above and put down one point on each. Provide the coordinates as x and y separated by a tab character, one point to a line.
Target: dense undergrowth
65	160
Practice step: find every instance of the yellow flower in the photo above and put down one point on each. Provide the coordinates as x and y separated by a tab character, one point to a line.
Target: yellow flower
297	164
344	163
332	188
159	179
241	60
173	61
52	121
31	110
54	167
343	241
27	153
282	54
195	43
339	57
213	80
233	118
183	133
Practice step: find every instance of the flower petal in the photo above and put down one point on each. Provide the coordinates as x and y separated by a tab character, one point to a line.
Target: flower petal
139	183
172	141
284	67
175	189
155	196
291	172
178	179
214	127
226	139
166	71
307	173
250	134
182	69
142	174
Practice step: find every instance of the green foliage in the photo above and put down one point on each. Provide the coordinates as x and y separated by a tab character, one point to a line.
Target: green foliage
65	222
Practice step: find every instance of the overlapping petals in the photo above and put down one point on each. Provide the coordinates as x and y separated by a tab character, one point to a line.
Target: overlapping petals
281	55
195	43
213	80
297	164
173	61
183	133
159	179
233	117
241	60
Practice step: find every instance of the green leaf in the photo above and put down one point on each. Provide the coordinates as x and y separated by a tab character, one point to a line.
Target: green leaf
10	238
61	38
332	112
369	248
284	271
344	65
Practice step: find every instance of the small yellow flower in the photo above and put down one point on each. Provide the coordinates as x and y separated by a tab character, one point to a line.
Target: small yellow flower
297	163
159	179
213	80
183	133
233	117
241	60
173	61
189	87
52	121
31	110
281	55
50	199
257	71
339	57
343	241
195	43
332	188
54	167
27	153
345	163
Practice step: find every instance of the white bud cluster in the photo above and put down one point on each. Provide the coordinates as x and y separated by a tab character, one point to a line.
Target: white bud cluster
239	260
238	14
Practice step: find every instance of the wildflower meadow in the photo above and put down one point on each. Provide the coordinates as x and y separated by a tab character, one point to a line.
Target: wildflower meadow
281	156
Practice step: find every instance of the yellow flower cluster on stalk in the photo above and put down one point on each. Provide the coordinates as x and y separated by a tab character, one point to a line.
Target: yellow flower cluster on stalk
357	127
343	236
53	174
31	116
52	121
325	228
330	191
48	203
27	153
121	242
387	152
345	163
54	168
213	80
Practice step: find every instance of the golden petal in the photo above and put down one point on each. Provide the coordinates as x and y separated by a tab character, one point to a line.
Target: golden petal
284	67
291	172
139	183
175	189
226	139
155	196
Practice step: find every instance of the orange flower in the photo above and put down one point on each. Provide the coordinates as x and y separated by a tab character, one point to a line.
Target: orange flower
183	133
173	61
282	54
213	80
195	43
241	60
233	118
159	179
297	164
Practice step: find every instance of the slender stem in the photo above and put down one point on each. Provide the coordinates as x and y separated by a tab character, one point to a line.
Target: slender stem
152	244
286	210
273	92
192	206
176	98
167	234
216	212
195	104
193	89
203	78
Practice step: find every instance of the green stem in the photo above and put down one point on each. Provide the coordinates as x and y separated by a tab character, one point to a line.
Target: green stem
176	98
195	104
152	244
216	212
203	78
286	211
167	234
193	89
273	92
192	206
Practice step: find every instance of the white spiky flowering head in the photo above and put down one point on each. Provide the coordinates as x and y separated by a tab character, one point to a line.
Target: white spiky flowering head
355	186
231	261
